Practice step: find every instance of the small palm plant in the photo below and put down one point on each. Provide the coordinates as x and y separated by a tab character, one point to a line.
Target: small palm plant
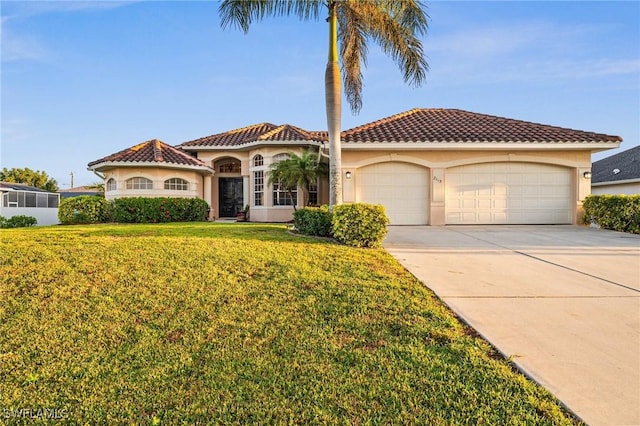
297	171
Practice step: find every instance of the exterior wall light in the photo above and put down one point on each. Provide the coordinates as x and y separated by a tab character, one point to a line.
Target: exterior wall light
587	175
347	175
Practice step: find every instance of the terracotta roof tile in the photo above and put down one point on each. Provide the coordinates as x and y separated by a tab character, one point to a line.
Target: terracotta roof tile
453	125
255	133
153	151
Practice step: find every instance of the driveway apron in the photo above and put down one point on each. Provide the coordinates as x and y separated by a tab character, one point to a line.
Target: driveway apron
562	301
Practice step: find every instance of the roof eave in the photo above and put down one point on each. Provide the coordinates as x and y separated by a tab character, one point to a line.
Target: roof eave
616	182
106	165
250	145
471	146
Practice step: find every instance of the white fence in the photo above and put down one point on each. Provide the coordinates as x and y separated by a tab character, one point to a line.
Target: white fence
45	216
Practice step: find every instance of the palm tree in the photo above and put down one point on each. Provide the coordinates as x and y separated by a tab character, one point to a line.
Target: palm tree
297	171
394	25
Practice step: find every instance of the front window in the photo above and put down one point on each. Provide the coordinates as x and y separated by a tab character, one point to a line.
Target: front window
313	194
258	161
176	184
258	187
139	183
281	196
111	185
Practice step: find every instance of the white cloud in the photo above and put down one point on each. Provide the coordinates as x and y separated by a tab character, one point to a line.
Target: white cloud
30	8
16	48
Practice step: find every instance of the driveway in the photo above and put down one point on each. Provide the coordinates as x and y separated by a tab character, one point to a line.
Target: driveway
562	301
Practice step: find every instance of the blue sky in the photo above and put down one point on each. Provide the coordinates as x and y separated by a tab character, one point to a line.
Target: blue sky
81	80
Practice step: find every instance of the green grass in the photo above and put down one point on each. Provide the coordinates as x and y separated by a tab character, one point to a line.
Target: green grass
224	323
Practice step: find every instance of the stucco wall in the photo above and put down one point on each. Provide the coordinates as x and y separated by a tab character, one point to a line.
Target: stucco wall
157	176
266	212
438	161
630	188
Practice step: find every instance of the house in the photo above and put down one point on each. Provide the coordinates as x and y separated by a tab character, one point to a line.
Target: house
19	199
617	174
78	191
426	166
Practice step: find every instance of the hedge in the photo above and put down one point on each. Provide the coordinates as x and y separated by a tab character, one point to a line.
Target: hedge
360	225
617	212
18	221
314	221
162	209
84	209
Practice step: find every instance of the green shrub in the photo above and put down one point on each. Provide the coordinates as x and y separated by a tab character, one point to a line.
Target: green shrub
313	221
161	209
360	225
18	221
617	212
84	209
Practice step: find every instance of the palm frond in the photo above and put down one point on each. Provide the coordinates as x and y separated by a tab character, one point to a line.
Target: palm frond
395	25
352	38
241	13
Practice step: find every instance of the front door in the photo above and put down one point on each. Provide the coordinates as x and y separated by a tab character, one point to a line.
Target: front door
231	199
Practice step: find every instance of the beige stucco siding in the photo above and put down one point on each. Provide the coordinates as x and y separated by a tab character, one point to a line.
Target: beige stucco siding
267	212
158	177
440	161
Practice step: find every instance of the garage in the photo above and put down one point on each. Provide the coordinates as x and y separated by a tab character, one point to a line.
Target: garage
403	189
508	193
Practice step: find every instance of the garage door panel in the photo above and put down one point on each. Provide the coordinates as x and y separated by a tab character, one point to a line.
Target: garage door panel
508	193
401	187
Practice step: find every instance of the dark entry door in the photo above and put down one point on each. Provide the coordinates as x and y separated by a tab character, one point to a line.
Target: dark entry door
230	200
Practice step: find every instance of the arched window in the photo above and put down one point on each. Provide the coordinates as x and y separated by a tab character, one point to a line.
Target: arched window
229	166
258	161
111	185
139	183
176	184
279	157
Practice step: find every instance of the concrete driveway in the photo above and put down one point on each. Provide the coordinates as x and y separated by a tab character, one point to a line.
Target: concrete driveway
562	301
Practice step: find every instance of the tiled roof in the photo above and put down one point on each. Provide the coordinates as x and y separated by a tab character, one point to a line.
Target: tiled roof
153	151
453	125
263	132
626	162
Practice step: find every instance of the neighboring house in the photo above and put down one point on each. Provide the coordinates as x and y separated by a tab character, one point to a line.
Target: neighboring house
78	191
20	199
617	174
426	166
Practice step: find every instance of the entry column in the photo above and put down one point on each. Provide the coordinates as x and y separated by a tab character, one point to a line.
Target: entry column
206	193
437	213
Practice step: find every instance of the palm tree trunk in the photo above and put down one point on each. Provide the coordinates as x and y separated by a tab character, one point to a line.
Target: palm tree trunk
334	111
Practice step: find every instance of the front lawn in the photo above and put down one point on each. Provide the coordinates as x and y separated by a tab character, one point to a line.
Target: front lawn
227	323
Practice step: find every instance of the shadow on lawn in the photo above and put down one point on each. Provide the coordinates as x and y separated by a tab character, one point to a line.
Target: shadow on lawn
235	231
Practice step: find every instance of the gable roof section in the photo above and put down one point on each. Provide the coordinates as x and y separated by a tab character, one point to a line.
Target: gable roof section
457	126
152	152
257	133
13	186
626	162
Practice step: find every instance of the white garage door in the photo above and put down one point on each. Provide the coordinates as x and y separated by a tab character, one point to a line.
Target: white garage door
508	193
401	187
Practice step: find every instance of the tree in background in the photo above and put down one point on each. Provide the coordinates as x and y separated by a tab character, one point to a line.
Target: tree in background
395	25
29	177
97	186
